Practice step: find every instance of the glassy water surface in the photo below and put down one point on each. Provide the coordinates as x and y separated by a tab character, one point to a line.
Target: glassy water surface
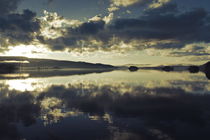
112	105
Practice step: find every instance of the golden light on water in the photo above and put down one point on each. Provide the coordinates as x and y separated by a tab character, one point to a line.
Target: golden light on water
149	79
21	85
15	75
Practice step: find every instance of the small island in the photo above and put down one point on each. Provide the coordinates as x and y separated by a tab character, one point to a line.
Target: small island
133	68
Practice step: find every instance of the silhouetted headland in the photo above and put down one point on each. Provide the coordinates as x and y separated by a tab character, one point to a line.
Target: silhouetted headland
25	63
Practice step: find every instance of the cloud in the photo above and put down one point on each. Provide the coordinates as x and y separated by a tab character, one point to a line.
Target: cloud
150	4
125	3
8	6
196	51
158	3
160	28
54	26
187	26
18	28
89	28
199	58
113	8
117	4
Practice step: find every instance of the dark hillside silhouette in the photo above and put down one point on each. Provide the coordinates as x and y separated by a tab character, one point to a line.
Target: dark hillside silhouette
35	63
7	68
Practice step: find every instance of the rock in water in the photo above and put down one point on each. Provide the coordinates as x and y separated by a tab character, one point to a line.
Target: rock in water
133	68
168	68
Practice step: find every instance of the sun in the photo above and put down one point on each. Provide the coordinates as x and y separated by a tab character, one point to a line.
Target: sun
30	51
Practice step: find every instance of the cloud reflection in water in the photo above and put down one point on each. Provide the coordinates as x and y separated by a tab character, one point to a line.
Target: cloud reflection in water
117	110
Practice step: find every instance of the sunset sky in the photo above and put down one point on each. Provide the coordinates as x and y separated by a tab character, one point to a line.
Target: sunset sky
114	32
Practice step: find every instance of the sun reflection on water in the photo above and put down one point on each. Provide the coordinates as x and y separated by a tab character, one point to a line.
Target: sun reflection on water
124	79
24	84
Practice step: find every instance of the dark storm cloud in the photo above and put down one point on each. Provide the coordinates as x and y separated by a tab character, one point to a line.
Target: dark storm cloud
89	28
18	28
188	26
19	22
7	6
162	23
74	36
166	23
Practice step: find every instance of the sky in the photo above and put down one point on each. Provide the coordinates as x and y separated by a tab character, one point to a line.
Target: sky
114	32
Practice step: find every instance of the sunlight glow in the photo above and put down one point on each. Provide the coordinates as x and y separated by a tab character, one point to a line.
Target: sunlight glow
23	84
31	51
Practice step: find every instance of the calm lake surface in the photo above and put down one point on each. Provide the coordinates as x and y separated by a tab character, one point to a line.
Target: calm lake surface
112	105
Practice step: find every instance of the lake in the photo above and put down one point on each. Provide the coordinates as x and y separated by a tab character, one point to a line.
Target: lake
104	105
